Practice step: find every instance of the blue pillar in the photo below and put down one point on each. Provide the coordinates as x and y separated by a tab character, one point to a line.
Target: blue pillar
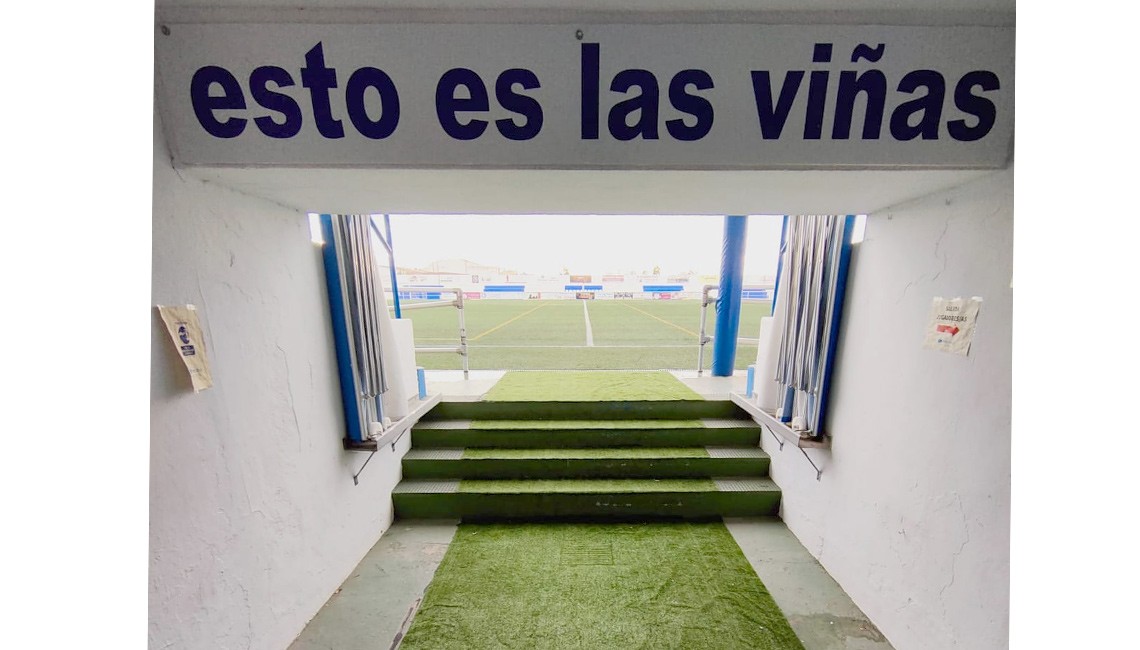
728	303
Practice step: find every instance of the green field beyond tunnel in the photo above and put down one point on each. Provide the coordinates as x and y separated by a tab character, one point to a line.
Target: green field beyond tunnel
553	334
583	386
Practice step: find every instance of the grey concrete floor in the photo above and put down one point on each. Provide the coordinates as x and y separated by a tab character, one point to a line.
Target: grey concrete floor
453	387
820	612
377	601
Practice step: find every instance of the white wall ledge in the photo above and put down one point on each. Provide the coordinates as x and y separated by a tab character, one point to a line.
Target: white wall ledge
399	427
778	428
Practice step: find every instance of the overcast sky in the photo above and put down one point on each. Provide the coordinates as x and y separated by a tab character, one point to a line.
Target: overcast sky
584	244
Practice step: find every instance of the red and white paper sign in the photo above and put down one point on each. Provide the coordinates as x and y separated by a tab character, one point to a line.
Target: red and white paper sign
951	325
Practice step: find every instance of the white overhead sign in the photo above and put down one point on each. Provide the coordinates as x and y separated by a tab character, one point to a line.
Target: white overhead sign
594	97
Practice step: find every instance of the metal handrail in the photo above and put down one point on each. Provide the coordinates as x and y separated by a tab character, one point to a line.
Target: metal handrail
702	338
461	349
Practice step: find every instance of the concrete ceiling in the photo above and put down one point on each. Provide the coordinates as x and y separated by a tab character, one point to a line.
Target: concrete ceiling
1007	6
578	191
893	12
586	192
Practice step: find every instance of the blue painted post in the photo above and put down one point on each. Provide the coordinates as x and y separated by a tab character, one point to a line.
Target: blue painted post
392	266
750	383
780	263
728	303
784	413
340	333
833	335
421	379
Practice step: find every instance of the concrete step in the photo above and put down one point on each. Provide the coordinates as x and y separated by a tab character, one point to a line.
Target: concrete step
621	462
600	498
592	410
562	433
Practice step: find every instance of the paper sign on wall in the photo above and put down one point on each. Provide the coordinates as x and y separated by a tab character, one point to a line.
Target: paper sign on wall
186	332
951	326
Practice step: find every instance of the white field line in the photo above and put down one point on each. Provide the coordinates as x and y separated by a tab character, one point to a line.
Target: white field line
589	330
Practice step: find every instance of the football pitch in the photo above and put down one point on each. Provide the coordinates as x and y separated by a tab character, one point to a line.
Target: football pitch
578	334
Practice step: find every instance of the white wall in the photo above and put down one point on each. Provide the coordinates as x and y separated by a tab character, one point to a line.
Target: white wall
254	519
911	515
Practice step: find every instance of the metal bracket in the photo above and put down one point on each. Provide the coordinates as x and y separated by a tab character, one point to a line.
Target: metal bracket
780	441
818	471
398	439
778	438
355	477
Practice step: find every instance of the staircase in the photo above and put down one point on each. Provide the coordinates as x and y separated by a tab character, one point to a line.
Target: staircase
534	460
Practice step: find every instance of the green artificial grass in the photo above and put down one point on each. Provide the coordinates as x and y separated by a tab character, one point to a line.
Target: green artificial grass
551	334
579	386
562	486
524	357
557	425
647	585
594	453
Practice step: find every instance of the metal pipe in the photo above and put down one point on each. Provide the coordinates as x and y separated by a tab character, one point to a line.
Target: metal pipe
461	349
349	278
347	269
462	334
379	235
372	289
362	303
355	292
812	279
788	283
392	264
429	305
372	286
360	273
701	338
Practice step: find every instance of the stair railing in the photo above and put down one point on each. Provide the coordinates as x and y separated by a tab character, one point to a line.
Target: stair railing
702	338
461	349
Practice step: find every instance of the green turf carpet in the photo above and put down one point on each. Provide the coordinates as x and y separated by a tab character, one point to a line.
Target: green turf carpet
587	386
599	453
647	585
555	425
554	486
